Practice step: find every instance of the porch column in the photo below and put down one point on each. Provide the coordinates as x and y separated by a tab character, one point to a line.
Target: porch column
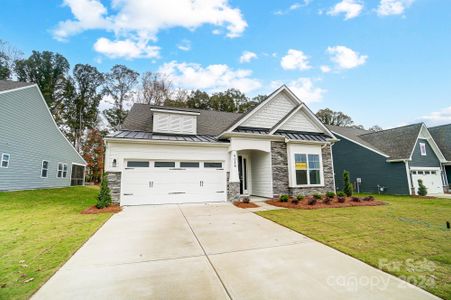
234	175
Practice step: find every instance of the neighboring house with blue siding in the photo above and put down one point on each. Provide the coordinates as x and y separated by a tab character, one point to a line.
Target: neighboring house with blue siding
442	136
388	161
33	151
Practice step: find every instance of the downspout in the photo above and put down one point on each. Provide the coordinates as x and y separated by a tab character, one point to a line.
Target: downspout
409	178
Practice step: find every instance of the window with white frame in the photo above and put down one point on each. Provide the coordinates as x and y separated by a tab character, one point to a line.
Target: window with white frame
59	171
423	149
45	169
5	160
308	169
64	170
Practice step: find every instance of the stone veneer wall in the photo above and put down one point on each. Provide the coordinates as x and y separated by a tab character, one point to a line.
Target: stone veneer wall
233	189
114	183
280	171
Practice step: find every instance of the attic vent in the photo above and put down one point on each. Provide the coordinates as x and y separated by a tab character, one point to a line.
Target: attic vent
174	123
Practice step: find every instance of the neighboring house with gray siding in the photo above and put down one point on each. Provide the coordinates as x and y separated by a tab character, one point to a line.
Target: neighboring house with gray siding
33	151
174	155
442	136
389	161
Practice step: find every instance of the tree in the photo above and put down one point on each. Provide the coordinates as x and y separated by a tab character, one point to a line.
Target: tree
82	94
49	71
8	57
119	84
198	99
104	197
223	101
422	189
155	88
375	128
347	189
330	117
93	152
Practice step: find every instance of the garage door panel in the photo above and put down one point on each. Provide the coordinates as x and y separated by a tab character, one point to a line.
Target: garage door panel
431	179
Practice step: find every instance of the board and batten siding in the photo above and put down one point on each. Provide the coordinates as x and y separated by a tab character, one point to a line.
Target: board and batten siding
261	174
29	134
174	123
271	113
300	122
370	166
429	160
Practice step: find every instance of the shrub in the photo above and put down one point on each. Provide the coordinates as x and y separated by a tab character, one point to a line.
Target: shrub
327	200
341	199
311	201
245	199
355	199
104	197
341	194
284	198
317	196
300	197
295	201
368	198
347	189
330	194
422	189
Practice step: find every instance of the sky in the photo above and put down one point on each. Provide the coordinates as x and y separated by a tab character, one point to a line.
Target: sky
384	62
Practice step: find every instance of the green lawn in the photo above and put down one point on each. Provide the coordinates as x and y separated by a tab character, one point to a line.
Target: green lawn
406	228
39	231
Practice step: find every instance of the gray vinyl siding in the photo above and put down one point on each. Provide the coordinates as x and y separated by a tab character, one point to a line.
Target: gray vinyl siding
370	166
29	135
430	160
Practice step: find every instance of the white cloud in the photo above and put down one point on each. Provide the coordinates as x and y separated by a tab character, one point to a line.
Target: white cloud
210	78
292	7
438	117
350	8
247	56
325	69
140	21
184	45
304	88
346	58
393	7
126	49
295	60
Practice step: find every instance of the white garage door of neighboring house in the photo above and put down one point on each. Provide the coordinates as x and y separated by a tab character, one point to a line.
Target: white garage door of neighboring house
158	182
432	179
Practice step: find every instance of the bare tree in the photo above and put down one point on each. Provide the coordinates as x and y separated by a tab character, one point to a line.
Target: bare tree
8	57
375	128
337	118
155	88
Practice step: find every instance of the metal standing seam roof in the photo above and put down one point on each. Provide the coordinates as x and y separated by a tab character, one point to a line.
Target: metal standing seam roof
292	135
140	135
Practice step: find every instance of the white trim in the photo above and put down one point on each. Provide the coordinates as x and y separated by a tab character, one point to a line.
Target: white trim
425	169
17	89
67	170
409	177
361	145
42	168
2	160
170	111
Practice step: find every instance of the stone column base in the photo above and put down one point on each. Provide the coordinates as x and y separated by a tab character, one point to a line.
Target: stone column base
114	183
233	191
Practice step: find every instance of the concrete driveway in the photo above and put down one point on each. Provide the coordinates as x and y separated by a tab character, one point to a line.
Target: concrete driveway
213	251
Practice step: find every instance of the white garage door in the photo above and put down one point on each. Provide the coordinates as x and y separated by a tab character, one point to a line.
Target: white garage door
432	179
158	182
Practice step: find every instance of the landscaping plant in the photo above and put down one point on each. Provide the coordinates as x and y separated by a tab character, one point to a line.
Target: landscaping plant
330	194
422	189
300	197
284	198
368	198
311	201
246	199
327	200
341	199
317	196
341	194
347	189
355	199
104	197
295	200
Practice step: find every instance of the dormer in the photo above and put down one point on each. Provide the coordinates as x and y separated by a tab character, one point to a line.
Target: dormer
173	121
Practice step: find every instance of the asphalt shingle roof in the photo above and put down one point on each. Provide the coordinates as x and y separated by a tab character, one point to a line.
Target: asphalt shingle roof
442	137
6	85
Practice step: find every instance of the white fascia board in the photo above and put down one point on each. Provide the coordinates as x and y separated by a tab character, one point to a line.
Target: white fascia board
19	88
361	145
288	141
425	168
169	111
163	142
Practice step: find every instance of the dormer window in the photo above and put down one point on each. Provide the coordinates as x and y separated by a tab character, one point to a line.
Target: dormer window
174	121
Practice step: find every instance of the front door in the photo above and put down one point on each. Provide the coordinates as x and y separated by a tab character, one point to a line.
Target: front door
242	171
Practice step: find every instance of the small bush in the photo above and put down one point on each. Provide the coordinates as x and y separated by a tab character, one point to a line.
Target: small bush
300	197
284	198
295	201
341	194
330	194
348	185
355	199
341	199
317	196
246	199
422	189
104	197
327	200
311	201
368	198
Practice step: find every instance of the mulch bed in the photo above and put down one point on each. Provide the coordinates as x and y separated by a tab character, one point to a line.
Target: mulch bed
244	205
334	204
95	210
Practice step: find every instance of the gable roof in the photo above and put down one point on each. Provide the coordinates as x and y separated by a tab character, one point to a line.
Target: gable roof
6	85
442	137
209	122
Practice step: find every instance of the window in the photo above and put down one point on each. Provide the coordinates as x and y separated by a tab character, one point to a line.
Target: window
414	172
216	165
5	160
59	170
427	172
64	170
308	169
45	169
164	164
184	164
423	149
433	172
114	164
137	164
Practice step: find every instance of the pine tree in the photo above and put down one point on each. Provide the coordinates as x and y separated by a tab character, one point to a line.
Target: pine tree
104	197
347	189
422	189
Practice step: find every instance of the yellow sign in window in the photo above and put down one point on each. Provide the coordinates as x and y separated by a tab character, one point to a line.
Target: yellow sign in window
301	166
